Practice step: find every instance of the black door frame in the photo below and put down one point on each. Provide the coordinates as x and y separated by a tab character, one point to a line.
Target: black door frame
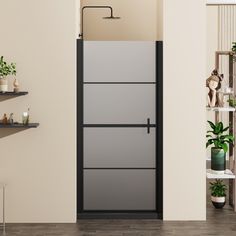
158	213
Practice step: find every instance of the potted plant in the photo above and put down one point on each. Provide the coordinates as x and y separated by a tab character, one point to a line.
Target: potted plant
217	137
6	69
218	193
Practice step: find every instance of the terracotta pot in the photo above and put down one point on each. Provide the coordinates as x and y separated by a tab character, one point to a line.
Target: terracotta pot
3	85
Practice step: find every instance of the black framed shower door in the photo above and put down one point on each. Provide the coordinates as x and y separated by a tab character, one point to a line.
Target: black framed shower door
119	129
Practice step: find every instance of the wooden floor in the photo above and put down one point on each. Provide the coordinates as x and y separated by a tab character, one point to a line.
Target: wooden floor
219	222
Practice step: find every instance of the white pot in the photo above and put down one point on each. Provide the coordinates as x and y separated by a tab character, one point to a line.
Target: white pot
3	85
218	199
218	202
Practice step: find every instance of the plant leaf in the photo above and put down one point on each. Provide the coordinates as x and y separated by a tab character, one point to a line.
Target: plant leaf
211	124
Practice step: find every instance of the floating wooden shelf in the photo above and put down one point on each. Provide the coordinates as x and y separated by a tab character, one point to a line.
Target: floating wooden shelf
30	125
227	175
21	93
227	109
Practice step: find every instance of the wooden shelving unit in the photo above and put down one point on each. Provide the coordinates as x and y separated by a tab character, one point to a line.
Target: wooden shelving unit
230	173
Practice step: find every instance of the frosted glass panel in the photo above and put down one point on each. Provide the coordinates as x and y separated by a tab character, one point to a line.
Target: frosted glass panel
119	162
121	104
119	189
119	147
119	61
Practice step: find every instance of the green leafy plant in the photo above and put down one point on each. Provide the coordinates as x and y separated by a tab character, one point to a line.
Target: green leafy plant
6	69
218	188
217	136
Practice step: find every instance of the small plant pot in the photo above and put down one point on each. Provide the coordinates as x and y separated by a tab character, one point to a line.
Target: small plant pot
218	202
218	161
3	85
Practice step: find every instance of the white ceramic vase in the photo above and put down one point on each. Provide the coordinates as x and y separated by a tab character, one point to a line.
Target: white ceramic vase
3	85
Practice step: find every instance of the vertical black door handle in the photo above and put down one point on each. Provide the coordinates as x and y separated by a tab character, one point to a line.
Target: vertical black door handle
148	125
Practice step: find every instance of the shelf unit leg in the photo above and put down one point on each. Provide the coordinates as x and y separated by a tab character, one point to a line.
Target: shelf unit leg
232	70
217	116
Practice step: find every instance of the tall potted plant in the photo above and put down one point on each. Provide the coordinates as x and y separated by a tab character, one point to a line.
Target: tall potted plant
218	193
6	69
217	137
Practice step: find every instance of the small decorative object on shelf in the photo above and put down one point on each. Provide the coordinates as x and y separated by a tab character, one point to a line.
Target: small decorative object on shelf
16	86
213	84
6	122
25	118
5	70
218	193
10	120
220	140
4	119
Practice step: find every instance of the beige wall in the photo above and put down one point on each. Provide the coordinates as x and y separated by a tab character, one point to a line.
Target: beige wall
159	26
138	20
184	110
39	165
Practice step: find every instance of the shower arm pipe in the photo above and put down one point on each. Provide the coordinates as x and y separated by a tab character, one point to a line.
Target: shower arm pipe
94	7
